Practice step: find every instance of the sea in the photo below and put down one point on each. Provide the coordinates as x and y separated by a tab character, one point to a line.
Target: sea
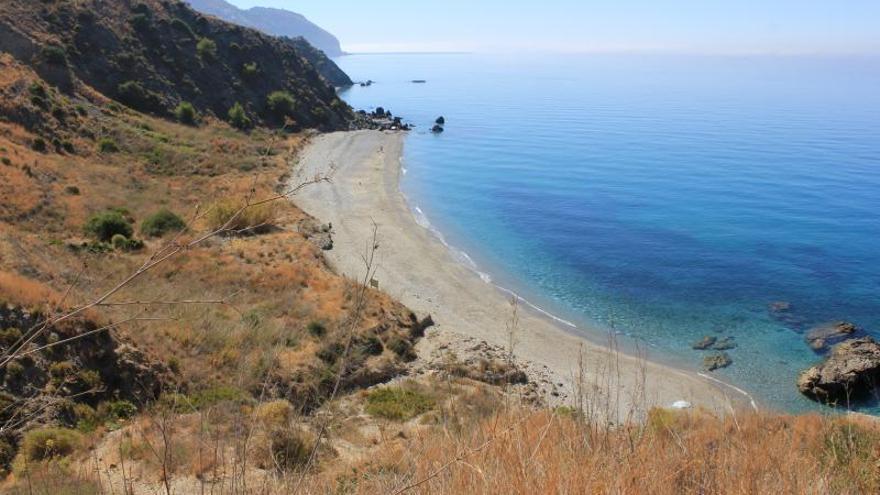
656	198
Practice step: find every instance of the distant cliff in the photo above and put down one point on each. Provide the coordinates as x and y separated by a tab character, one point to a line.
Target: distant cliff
277	22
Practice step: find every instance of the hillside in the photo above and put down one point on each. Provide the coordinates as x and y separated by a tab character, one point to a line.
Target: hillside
277	22
169	322
154	55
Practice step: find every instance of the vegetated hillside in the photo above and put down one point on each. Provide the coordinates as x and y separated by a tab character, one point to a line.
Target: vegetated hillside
277	22
154	55
93	191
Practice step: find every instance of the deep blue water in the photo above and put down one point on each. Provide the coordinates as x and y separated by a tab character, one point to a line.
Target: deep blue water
664	197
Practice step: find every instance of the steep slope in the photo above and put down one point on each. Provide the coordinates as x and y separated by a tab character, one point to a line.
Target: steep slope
153	55
277	22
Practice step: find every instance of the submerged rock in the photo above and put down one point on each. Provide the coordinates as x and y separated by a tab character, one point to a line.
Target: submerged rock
851	372
820	337
725	344
437	129
717	361
704	343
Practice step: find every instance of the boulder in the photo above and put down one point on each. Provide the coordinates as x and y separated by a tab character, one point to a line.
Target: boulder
851	372
704	343
717	361
437	129
440	120
820	337
725	344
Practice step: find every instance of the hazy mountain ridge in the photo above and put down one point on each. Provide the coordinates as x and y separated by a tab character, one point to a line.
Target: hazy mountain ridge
277	22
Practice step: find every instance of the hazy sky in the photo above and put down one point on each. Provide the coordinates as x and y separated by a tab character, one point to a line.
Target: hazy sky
701	26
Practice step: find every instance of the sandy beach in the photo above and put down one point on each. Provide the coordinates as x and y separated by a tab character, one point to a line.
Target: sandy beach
414	267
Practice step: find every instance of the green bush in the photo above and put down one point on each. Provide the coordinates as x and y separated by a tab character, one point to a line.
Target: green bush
206	49
238	118
9	336
140	21
72	190
316	329
398	403
45	443
186	113
107	145
250	70
103	226
39	144
55	54
161	223
6	161
281	103
183	27
133	94
116	410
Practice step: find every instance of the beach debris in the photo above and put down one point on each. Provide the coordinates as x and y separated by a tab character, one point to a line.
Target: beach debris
717	361
820	337
704	343
851	372
681	404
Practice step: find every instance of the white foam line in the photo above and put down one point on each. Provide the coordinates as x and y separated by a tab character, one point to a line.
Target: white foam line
734	387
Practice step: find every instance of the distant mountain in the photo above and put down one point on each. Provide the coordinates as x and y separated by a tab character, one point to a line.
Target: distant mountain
277	22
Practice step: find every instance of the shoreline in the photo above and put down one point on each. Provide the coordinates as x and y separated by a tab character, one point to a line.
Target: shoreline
418	268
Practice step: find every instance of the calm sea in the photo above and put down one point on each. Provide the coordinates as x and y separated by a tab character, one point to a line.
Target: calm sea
666	198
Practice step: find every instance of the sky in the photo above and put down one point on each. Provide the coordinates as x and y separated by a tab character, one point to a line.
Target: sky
680	26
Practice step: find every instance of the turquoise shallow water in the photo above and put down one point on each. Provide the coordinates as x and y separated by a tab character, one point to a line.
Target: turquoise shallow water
664	197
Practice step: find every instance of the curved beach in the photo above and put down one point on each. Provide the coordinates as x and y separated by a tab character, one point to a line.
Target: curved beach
417	269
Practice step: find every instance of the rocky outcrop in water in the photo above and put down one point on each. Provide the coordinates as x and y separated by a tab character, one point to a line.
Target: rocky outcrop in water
851	372
717	361
820	337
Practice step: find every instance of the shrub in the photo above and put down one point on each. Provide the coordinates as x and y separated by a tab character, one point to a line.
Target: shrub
68	147
103	226
289	449
398	403
316	329
61	370
238	118
275	414
39	144
133	94
117	409
9	336
206	48
6	161
281	103
37	89
401	347
250	70
71	190
186	113
107	145
233	216
161	223
183	27
55	54
140	21
45	443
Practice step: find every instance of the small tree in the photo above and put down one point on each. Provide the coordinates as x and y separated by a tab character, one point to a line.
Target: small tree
238	118
186	113
281	103
103	226
206	48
